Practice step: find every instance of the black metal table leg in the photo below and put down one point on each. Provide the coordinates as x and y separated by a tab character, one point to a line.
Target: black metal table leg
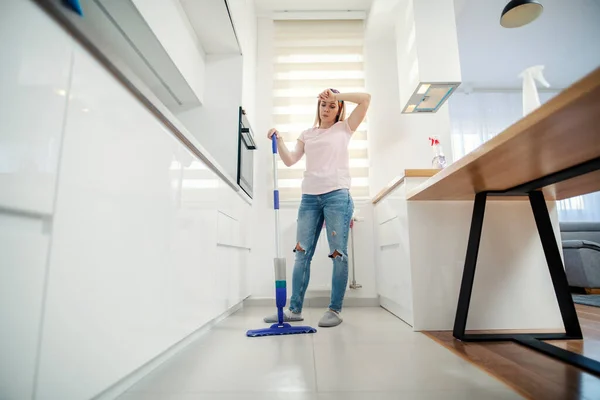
466	287
555	265
559	281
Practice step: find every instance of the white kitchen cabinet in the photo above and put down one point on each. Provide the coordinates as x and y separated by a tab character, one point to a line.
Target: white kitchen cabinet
23	254
393	255
34	82
134	259
109	225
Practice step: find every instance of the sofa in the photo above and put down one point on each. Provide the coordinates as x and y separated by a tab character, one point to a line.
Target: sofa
581	249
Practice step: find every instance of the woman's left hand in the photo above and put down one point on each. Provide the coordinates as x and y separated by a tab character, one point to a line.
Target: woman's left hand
327	95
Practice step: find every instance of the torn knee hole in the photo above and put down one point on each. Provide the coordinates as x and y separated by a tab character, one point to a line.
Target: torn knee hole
298	248
335	254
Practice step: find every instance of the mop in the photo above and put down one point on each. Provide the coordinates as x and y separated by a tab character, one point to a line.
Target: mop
280	328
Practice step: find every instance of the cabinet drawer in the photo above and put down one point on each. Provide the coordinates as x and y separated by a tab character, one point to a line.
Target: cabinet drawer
388	233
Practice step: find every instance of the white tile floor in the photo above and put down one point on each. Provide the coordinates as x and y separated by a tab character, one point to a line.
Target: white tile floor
372	355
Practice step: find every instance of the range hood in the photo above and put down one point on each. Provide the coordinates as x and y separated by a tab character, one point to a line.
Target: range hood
429	97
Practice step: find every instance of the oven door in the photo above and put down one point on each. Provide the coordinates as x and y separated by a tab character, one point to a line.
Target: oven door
246	147
246	168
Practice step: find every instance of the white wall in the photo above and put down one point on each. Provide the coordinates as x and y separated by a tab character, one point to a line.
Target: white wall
243	13
126	242
216	123
400	141
263	221
385	134
416	130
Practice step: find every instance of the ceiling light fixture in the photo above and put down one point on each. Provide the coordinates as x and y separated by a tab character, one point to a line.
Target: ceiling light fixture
518	13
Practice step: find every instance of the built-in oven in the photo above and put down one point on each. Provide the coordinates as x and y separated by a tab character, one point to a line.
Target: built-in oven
246	148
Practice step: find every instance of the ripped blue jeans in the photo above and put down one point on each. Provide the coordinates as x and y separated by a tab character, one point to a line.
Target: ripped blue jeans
335	208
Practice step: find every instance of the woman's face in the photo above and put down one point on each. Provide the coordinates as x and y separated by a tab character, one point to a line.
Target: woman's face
328	111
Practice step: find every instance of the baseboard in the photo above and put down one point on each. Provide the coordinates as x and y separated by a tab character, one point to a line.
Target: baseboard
130	380
394	308
316	301
261	302
322	302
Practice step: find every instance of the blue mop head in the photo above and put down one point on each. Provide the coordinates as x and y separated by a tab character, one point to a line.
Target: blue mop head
283	329
280	328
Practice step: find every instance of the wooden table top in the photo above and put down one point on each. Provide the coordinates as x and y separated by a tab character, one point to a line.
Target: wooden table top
408	173
562	133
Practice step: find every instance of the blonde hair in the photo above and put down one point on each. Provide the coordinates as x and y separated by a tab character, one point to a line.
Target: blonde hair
340	116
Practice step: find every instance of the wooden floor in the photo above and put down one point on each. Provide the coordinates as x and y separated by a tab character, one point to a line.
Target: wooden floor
534	375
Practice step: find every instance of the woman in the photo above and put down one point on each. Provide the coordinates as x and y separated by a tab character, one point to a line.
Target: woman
325	197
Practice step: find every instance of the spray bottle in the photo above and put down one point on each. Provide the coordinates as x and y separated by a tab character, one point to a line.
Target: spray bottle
531	100
439	159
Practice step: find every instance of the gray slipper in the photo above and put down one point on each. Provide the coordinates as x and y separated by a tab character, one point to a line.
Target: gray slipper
330	319
288	316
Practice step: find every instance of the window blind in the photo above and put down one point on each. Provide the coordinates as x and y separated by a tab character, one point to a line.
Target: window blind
310	56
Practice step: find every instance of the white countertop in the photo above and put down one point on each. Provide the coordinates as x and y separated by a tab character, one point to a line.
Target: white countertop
407	173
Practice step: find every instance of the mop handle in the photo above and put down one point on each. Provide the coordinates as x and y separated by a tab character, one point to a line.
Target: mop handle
276	195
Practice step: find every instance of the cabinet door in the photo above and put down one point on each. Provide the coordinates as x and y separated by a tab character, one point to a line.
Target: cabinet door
23	252
128	241
34	83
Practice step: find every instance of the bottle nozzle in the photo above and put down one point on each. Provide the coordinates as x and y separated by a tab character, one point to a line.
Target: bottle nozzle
535	72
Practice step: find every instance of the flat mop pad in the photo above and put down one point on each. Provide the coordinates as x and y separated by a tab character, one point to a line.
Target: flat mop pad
280	328
283	329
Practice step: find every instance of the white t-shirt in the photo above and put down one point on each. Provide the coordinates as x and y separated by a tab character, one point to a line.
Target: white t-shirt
327	158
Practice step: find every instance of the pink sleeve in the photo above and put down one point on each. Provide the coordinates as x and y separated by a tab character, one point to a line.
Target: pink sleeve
347	127
301	137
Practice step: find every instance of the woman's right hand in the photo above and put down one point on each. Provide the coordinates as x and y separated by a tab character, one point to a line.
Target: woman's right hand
272	132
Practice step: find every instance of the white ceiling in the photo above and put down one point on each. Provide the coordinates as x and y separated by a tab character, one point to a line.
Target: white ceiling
312	5
566	39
